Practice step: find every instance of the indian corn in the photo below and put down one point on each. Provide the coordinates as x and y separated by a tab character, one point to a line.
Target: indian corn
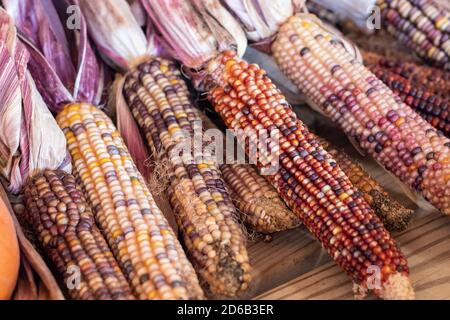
64	226
431	107
394	216
309	180
258	203
422	25
365	109
136	230
159	101
435	80
304	174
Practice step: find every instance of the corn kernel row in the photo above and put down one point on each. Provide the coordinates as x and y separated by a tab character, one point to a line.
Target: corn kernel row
365	109
434	109
422	25
64	226
136	230
435	80
394	216
159	101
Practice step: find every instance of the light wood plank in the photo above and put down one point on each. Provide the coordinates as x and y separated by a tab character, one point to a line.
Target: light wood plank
427	246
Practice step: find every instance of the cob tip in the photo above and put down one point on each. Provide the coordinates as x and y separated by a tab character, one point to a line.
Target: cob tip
397	287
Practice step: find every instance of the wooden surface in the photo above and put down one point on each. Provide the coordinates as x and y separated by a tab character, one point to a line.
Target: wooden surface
427	246
294	266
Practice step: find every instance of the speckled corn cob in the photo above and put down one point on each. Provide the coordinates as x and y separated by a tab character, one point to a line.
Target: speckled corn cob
421	25
137	232
394	216
435	80
159	100
259	204
432	108
368	111
308	179
65	227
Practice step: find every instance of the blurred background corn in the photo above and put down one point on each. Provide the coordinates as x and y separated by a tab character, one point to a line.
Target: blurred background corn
64	226
369	112
435	80
258	202
431	107
136	230
308	179
159	101
394	216
422	25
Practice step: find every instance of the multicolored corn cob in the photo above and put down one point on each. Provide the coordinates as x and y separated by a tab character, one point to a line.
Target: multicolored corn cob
435	80
160	102
308	179
258	202
65	227
422	25
136	230
431	107
259	205
394	216
365	109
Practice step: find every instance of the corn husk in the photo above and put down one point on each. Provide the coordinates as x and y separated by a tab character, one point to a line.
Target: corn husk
356	10
261	18
59	78
30	139
195	31
35	279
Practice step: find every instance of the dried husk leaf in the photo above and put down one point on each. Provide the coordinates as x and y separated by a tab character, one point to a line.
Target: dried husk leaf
60	79
261	18
117	34
224	26
129	129
191	38
39	22
30	138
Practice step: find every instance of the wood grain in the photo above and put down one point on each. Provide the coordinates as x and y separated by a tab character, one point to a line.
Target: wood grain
426	244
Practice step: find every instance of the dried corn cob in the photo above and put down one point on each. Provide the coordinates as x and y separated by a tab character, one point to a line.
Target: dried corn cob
432	108
435	80
365	109
136	230
65	227
422	25
394	216
308	179
159	101
260	206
